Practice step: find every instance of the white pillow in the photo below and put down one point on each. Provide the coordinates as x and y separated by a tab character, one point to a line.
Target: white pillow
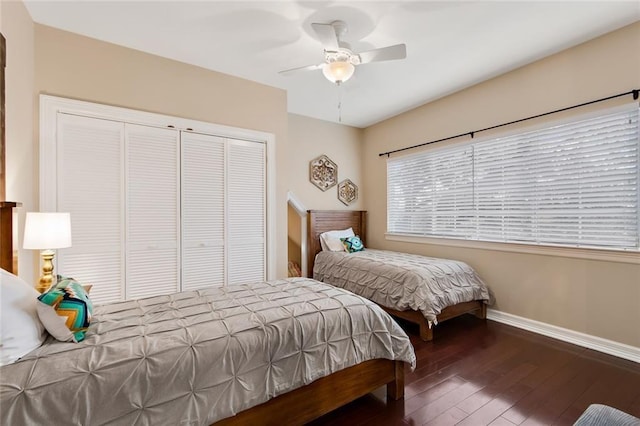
330	241
21	329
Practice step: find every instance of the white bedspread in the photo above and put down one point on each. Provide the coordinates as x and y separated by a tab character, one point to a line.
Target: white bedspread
198	357
402	281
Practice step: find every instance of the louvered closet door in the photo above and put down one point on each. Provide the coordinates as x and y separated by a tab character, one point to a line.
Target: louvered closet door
152	211
246	211
202	211
90	187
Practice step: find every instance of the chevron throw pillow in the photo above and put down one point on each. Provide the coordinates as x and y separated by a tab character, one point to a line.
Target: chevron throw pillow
65	310
352	244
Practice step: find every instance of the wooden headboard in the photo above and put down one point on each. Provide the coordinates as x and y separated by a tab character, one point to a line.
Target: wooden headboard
8	240
319	221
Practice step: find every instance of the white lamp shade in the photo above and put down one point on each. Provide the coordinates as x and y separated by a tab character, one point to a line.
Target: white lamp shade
45	231
338	71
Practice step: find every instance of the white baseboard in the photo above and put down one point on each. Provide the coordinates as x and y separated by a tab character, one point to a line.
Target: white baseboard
592	342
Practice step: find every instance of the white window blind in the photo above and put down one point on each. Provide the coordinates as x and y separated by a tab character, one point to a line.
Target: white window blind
574	184
432	194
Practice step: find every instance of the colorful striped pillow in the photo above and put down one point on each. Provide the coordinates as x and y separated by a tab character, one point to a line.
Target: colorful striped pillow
352	244
65	310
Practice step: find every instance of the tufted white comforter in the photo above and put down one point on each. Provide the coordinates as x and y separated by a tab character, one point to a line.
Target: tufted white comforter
402	281
197	357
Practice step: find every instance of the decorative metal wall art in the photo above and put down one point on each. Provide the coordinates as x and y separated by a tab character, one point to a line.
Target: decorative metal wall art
323	172
347	192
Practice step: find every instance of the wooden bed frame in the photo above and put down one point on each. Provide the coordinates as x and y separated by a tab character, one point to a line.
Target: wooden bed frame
298	406
325	394
319	221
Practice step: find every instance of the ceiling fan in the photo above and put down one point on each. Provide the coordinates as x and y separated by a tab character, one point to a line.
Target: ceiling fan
339	60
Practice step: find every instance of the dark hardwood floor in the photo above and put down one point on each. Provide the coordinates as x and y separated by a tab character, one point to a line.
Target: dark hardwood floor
479	372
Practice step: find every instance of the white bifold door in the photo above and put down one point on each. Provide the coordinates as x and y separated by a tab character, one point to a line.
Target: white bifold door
157	210
152	211
223	211
90	185
246	212
203	211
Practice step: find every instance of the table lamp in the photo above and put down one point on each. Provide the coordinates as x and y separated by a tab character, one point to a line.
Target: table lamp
47	232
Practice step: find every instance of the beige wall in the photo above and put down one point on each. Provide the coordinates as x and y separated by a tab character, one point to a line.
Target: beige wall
18	29
309	138
594	297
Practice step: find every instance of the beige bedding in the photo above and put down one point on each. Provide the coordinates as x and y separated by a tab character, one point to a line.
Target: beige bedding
197	357
402	281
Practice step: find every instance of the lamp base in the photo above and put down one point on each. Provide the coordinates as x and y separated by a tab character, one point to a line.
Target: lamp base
46	279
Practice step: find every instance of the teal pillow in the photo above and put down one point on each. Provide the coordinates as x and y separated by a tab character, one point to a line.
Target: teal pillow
352	244
65	310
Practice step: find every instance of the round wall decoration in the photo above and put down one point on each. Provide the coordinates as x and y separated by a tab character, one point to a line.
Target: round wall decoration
323	172
347	192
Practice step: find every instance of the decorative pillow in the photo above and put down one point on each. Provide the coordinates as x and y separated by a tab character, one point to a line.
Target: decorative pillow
330	240
65	310
352	244
20	326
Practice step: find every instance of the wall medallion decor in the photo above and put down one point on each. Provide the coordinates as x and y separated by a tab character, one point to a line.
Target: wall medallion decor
347	192
323	172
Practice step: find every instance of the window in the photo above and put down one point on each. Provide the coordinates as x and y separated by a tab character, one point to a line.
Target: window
573	184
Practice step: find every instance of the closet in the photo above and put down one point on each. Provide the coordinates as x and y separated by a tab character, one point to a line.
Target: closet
155	210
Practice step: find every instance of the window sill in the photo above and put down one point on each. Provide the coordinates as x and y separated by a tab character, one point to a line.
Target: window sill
577	253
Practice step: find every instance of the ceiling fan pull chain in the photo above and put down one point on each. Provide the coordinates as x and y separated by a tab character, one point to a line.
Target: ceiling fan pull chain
339	103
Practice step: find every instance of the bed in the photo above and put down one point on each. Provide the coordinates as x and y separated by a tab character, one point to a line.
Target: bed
419	289
203	356
279	352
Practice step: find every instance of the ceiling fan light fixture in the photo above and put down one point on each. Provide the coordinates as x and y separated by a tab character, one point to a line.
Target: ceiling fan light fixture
338	71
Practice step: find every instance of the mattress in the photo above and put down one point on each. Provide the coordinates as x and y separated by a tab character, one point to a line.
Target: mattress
197	357
402	281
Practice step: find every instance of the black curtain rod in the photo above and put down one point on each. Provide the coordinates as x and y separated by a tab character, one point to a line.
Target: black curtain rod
634	92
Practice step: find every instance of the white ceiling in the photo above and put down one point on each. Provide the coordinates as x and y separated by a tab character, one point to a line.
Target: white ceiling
450	44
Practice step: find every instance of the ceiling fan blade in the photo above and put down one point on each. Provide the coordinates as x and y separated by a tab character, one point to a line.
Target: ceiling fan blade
327	36
398	51
307	68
